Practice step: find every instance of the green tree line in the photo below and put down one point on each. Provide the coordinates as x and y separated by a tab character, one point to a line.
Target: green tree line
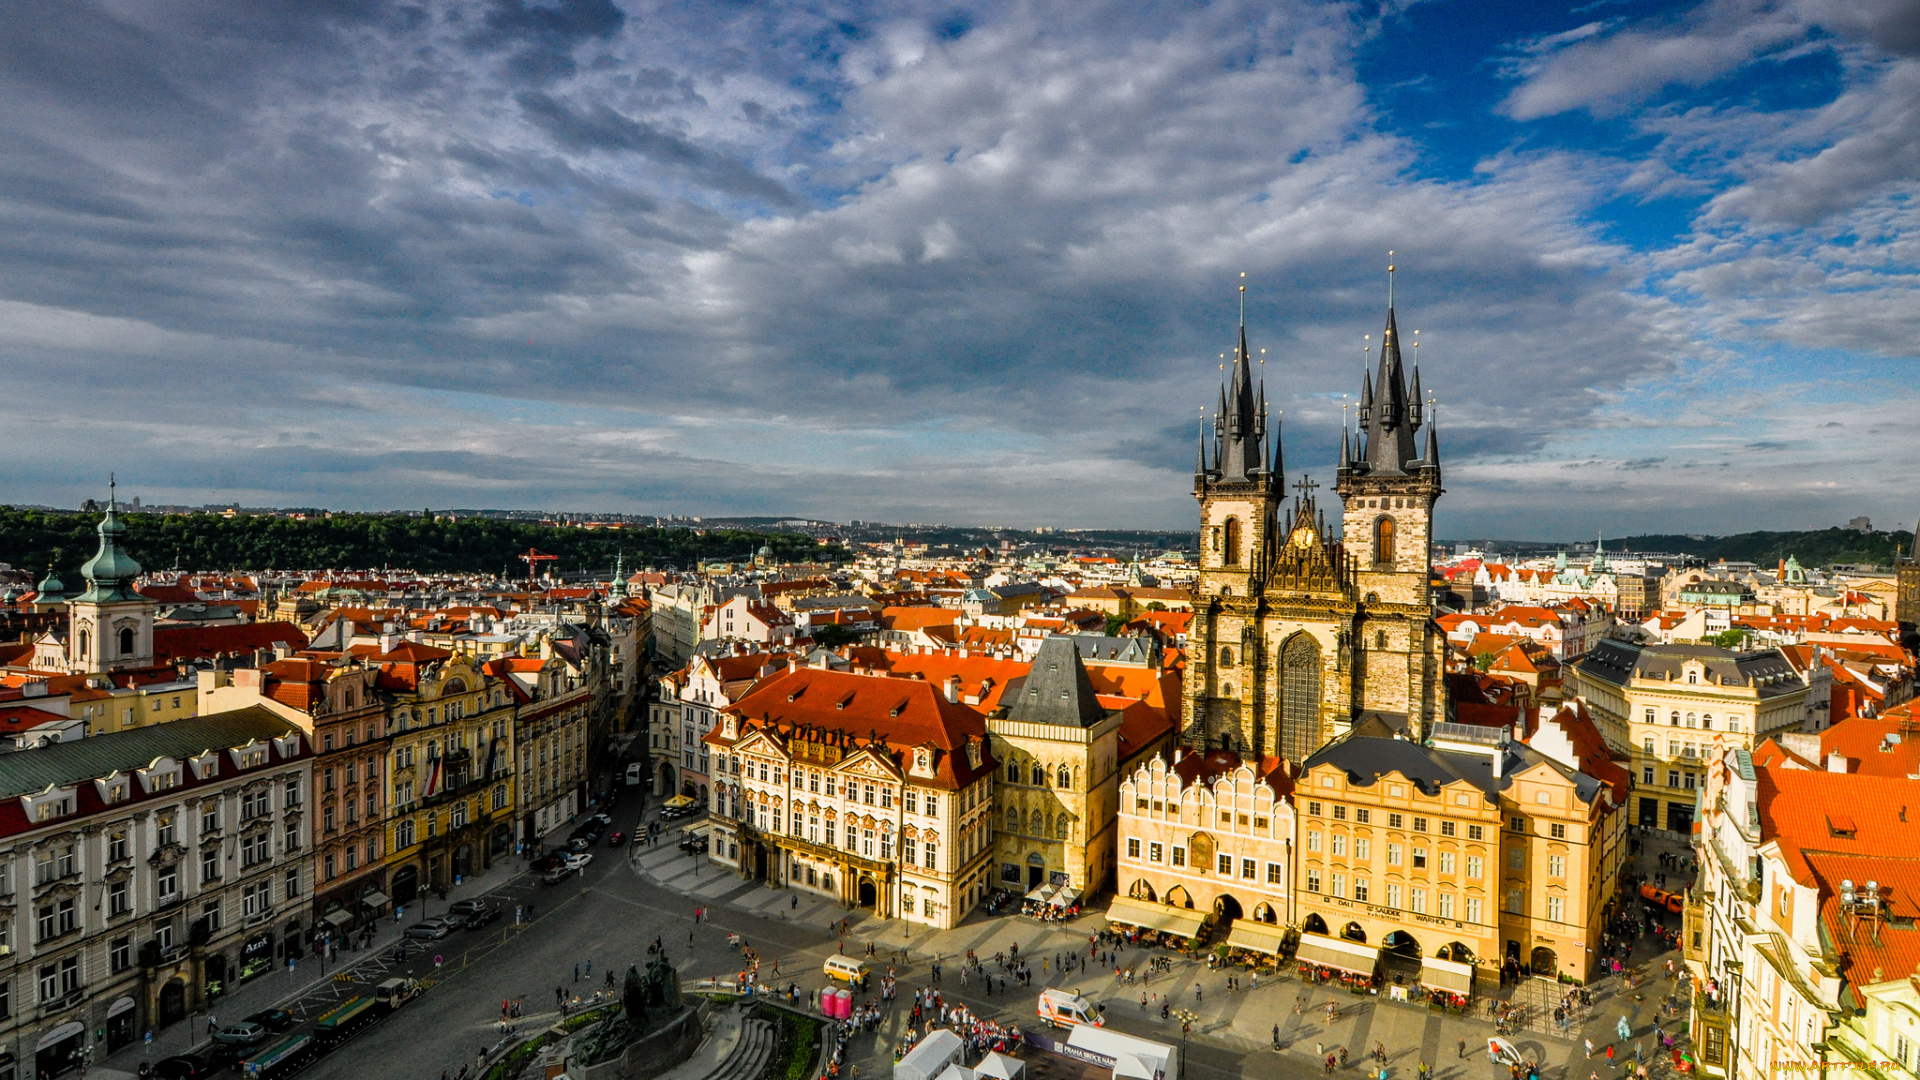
34	539
1820	547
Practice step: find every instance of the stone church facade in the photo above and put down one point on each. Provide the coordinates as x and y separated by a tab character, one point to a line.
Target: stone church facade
1297	632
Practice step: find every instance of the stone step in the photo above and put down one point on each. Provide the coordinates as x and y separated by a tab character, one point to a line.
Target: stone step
750	1057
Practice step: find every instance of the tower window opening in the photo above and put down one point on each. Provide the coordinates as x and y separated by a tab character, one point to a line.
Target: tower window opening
126	641
1232	554
1383	542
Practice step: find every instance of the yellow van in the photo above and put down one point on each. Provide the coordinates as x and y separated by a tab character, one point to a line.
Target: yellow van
845	969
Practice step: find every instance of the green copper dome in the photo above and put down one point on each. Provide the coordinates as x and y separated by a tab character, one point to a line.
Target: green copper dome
110	572
50	586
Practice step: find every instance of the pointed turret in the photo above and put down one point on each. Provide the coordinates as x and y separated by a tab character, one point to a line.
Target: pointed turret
1413	406
1432	460
1346	458
1200	460
1387	420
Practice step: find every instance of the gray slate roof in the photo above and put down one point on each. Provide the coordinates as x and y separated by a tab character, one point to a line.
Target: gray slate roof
1366	758
1056	690
29	771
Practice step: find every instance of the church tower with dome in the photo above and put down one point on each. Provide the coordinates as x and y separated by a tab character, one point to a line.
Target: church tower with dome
110	626
1299	633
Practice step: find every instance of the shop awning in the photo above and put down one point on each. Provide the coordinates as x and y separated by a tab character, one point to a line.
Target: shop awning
1338	954
1256	936
1449	975
1151	916
339	918
375	900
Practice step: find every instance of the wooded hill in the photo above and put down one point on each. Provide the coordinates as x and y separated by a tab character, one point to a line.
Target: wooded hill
34	539
1823	547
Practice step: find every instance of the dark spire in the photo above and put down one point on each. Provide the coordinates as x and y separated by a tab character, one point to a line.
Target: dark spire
1200	462
1279	471
1240	454
1387	417
1414	403
1346	459
1432	460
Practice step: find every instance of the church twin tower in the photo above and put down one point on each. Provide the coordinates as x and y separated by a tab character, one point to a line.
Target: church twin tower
1298	635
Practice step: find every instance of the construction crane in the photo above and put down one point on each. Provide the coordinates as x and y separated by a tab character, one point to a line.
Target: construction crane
533	558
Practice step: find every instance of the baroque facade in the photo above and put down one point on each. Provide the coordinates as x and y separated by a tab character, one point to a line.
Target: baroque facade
1297	633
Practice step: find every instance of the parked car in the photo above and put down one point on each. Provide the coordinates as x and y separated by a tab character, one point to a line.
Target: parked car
578	844
557	875
244	1033
464	908
272	1019
600	821
185	1067
483	917
430	929
616	838
547	862
579	861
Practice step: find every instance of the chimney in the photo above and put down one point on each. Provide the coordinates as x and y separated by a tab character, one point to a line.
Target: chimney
953	688
389	640
1836	762
1499	758
251	679
1178	753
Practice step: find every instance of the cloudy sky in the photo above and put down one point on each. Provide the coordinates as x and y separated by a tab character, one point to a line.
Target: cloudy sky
957	262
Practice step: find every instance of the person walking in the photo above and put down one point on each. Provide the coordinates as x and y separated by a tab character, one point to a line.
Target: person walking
1463	1049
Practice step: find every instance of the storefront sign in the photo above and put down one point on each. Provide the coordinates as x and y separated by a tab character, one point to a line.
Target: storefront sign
61	1034
125	1004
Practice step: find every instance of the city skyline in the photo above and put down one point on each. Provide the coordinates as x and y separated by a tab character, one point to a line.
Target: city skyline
972	265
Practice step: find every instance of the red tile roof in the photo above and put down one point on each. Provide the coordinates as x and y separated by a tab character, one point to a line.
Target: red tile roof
172	643
903	713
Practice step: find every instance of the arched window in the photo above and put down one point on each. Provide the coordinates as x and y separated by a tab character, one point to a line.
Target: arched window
1064	778
1013	820
1039	826
1674	720
1226	656
1013	772
85	641
1039	775
1232	555
1062	828
1383	542
1299	698
126	641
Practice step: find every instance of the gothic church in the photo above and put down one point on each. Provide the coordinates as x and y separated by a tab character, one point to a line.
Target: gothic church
1297	633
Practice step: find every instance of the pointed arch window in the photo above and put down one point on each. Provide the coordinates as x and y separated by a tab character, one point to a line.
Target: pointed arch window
1064	778
1383	542
1232	555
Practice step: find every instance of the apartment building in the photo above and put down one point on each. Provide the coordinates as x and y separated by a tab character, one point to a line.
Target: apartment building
143	871
876	791
1473	849
1674	707
1801	932
335	703
1212	834
450	764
